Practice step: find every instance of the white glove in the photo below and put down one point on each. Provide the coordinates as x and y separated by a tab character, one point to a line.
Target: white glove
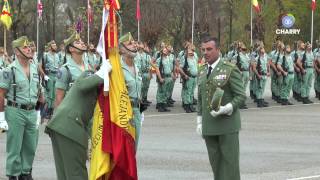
142	118
46	78
199	125
38	119
3	123
103	72
227	109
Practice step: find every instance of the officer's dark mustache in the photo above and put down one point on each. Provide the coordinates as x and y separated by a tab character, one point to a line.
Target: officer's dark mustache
23	54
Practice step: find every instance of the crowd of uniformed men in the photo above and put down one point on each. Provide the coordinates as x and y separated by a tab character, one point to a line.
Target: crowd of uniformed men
26	79
290	68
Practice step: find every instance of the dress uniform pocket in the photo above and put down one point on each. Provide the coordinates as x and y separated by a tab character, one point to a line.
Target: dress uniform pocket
75	117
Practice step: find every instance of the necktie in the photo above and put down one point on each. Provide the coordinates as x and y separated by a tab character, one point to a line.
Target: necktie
209	72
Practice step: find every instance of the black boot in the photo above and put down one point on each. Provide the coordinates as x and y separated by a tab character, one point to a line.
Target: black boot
294	95
264	103
259	103
169	104
12	177
306	100
195	101
164	107
278	99
299	98
317	94
192	108
173	101
157	106
187	108
289	103
244	106
161	107
284	102
25	177
273	96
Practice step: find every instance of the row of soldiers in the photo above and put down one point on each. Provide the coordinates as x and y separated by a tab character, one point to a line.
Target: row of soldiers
168	68
291	69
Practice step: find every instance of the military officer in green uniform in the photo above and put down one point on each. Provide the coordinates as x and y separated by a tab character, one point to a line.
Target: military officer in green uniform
20	86
285	66
297	54
261	71
144	68
51	63
73	67
70	124
220	124
189	72
128	51
306	66
164	64
242	61
173	61
317	71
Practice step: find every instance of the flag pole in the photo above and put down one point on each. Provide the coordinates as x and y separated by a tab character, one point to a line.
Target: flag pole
192	31
88	4
5	39
138	30
38	1
251	23
311	27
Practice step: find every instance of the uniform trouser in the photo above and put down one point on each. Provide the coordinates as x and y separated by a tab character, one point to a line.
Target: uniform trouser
245	78
273	82
287	86
306	82
252	82
223	153
297	83
137	122
317	82
260	87
69	157
187	92
171	86
145	85
279	85
162	91
50	90
22	140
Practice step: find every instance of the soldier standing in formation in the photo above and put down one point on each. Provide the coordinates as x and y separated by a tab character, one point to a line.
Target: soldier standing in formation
20	86
73	67
189	72
261	72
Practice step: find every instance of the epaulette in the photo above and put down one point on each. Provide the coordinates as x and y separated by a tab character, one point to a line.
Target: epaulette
228	64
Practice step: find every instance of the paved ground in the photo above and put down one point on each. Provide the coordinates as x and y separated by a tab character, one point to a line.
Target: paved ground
276	143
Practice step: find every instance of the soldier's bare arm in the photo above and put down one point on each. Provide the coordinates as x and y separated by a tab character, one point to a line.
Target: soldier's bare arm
2	97
59	97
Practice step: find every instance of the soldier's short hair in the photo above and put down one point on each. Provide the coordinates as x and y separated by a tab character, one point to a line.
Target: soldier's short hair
206	39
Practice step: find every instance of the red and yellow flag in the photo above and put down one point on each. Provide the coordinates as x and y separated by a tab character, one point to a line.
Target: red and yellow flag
256	6
5	17
113	132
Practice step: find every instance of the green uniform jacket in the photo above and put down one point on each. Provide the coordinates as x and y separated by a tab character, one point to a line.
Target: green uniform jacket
72	116
226	76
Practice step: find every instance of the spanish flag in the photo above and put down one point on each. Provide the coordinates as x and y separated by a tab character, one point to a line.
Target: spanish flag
6	15
256	6
113	132
313	5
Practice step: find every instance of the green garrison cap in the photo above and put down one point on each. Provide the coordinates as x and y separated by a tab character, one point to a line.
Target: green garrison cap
126	38
216	99
20	42
74	37
51	42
